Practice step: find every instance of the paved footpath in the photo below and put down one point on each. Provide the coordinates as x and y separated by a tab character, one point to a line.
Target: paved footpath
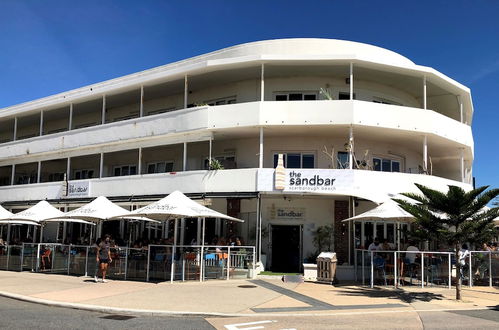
238	298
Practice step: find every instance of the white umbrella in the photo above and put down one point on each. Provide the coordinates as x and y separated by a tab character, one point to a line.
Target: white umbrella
4	214
174	206
100	209
388	210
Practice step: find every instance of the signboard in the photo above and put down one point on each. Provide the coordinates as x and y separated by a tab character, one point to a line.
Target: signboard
78	189
313	180
285	213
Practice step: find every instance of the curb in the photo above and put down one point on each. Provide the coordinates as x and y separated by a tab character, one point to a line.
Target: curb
150	312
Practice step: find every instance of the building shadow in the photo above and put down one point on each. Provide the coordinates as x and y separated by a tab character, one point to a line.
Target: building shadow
401	295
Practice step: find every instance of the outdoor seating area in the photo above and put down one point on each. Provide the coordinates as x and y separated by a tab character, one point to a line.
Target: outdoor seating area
424	268
154	263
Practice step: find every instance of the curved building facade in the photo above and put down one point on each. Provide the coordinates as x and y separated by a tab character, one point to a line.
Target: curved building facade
354	125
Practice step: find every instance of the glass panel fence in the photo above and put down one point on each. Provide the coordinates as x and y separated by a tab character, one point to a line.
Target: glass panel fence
14	256
78	260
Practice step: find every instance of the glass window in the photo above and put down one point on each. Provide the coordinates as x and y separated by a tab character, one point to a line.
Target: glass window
308	161
342	161
395	166
377	164
310	97
294	160
296	97
281	97
386	165
380	231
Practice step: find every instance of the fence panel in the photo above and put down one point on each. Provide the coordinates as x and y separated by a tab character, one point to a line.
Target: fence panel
78	260
4	249
242	261
30	256
14	256
160	262
136	264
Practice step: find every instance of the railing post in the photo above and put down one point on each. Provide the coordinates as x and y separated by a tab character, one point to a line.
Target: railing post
372	269
37	268
254	260
395	283
490	268
470	281
228	262
53	259
201	265
69	257
22	258
86	261
422	270
148	259
8	257
126	262
363	270
173	263
450	270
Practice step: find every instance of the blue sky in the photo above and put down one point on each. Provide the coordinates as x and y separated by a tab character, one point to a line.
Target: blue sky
49	46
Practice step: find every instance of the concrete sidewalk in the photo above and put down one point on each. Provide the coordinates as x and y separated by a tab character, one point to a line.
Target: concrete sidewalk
232	298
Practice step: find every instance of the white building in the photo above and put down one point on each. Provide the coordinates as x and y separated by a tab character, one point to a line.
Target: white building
366	119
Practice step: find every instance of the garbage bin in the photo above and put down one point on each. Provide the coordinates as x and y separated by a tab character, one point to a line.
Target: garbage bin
326	267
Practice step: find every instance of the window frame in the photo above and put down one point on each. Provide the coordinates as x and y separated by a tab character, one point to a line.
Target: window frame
275	157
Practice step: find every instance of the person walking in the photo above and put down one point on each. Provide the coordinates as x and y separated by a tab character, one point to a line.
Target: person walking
104	256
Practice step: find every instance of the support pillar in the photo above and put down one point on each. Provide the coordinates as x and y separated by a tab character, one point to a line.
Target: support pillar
41	123
68	169
101	165
13	175
103	117
425	154
186	91
70	125
424	93
39	172
461	163
14	138
262	84
260	155
350	151
210	152
141	109
139	167
184	161
351	81
258	238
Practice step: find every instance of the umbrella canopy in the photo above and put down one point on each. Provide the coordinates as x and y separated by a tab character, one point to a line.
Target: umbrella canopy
34	215
174	206
388	210
99	209
4	214
69	220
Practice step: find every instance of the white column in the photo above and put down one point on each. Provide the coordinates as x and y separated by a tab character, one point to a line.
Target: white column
70	117
103	119
462	165
260	155
350	152
101	165
461	109
41	123
139	167
209	155
14	138
141	110
184	163
351	81
262	84
186	91
39	172
68	169
424	92
13	175
425	154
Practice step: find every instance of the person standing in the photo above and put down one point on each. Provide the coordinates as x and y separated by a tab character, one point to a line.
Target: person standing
104	256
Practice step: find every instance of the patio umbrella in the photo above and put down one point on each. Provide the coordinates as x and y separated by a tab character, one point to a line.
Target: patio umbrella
174	206
389	210
34	215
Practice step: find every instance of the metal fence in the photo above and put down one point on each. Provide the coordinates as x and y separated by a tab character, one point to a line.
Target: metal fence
425	268
156	263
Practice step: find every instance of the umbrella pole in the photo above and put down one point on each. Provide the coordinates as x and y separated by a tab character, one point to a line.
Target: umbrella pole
41	233
201	272
172	273
9	229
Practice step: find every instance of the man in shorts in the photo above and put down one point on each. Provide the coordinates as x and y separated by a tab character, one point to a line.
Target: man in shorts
104	256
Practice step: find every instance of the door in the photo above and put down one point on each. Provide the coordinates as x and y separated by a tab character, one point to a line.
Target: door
286	249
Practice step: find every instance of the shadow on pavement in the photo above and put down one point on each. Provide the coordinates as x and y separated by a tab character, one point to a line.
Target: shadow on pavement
404	296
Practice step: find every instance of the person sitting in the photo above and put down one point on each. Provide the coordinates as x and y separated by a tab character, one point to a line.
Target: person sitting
374	246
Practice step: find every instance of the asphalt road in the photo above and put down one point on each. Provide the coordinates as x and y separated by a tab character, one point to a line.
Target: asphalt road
16	314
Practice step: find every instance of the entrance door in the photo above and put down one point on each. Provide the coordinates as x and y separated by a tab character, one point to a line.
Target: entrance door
286	249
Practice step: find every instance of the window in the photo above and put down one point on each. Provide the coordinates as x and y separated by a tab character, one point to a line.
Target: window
384	101
345	96
83	174
123	170
159	167
222	101
386	165
296	96
53	177
342	160
227	161
296	160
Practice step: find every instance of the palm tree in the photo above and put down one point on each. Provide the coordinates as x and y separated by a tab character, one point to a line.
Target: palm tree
453	218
